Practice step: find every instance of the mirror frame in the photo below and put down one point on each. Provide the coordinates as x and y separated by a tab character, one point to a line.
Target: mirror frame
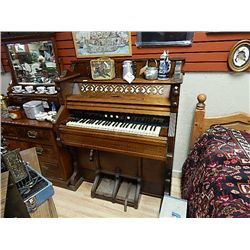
26	37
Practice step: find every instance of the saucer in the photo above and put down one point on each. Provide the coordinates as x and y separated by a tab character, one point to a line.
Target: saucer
37	92
49	93
18	92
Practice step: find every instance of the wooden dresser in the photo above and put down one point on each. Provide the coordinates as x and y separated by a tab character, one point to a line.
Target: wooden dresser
55	161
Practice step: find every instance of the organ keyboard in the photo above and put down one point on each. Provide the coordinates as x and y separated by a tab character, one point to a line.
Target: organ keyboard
131	134
122	123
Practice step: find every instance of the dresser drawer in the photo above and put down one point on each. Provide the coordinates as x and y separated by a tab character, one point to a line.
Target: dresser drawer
45	152
36	134
15	144
51	170
9	130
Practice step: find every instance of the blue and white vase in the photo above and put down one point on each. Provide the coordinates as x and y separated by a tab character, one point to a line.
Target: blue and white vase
164	67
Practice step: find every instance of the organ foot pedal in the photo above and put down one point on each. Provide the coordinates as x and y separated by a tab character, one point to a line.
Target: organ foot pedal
117	189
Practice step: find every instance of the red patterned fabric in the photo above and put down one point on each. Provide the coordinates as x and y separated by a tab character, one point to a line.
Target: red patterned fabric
216	174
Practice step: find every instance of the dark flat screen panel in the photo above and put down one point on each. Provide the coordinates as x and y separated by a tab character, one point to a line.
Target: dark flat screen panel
147	39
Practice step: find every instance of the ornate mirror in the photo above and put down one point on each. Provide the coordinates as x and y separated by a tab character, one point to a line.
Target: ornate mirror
32	56
33	61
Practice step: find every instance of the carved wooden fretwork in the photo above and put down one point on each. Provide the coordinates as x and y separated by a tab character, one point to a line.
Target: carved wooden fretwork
125	89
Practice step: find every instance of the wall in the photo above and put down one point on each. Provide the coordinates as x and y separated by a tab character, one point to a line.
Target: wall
209	51
226	93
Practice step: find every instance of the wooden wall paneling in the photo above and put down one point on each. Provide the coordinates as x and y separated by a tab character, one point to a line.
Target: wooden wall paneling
220	36
209	50
205	67
66	52
196	47
66	44
63	36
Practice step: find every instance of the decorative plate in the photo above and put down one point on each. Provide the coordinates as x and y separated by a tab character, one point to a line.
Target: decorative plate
239	56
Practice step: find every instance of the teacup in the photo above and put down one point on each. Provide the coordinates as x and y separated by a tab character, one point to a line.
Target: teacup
17	88
41	89
51	89
29	89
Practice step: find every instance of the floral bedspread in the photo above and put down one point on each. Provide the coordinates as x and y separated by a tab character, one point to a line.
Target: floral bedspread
216	174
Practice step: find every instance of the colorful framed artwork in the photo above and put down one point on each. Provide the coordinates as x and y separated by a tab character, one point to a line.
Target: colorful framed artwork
102	43
239	56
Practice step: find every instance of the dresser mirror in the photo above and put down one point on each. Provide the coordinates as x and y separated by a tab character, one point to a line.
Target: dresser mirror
33	62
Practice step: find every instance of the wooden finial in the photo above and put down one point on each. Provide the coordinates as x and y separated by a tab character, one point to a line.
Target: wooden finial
201	99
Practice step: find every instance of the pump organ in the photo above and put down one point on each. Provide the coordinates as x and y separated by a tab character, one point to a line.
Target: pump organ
121	129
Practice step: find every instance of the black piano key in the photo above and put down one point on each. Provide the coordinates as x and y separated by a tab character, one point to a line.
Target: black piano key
131	125
82	120
88	121
134	126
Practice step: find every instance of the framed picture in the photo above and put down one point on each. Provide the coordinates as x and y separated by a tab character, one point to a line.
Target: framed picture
100	43
239	56
102	69
154	39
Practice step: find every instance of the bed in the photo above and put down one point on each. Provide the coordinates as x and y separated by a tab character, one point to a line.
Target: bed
216	173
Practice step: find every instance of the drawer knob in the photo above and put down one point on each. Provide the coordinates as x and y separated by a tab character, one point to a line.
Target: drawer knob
39	150
32	134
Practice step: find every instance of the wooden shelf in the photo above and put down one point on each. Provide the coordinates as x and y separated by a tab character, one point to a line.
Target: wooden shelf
27	122
33	95
36	84
136	81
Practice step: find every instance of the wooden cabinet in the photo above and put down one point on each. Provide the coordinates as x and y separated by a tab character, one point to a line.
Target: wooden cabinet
33	62
55	160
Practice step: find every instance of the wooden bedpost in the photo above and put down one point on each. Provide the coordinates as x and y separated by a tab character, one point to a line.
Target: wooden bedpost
198	118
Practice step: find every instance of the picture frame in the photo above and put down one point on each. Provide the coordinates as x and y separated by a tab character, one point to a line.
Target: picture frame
239	56
14	163
102	43
102	69
156	39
